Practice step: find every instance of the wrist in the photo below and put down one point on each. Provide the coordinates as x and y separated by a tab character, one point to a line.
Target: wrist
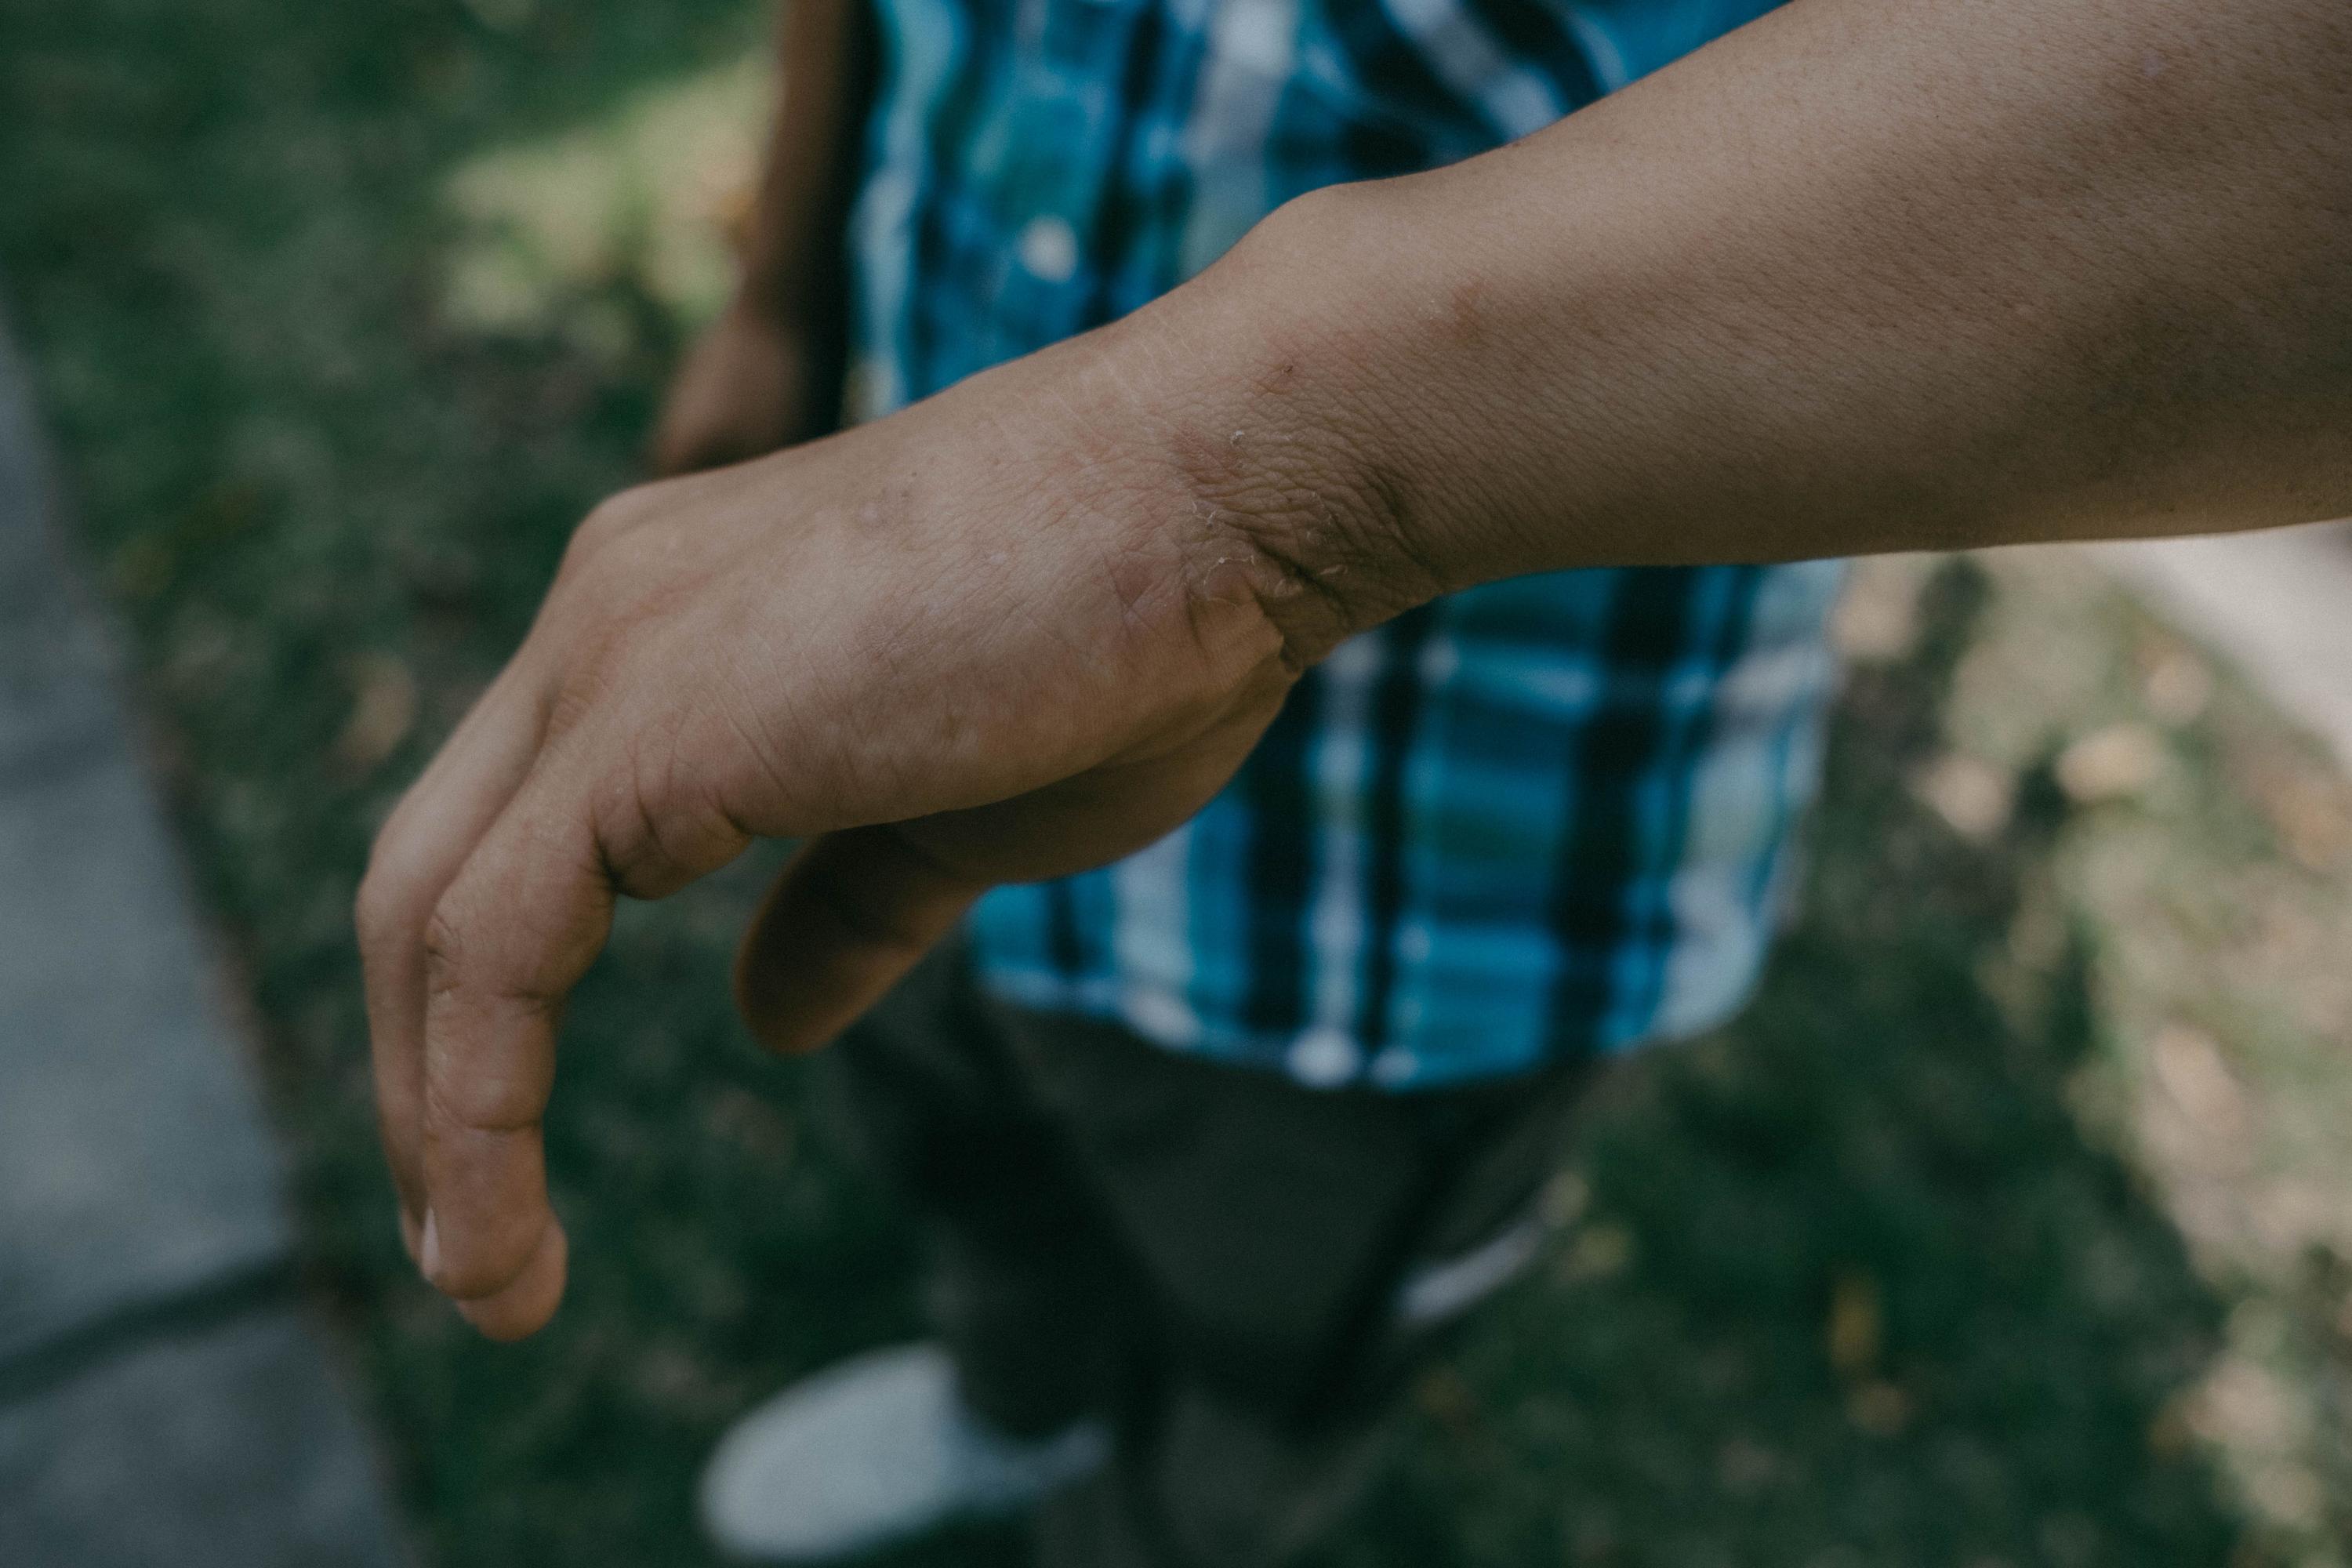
1276	419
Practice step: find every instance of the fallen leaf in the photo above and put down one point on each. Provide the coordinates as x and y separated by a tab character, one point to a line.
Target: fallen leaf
1856	1330
2191	1068
2113	764
1975	798
2177	686
1878	620
2309	812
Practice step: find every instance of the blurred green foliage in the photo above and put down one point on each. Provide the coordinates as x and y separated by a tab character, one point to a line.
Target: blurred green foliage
1860	1282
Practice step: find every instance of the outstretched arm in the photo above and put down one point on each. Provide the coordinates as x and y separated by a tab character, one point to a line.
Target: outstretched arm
1868	275
1862	277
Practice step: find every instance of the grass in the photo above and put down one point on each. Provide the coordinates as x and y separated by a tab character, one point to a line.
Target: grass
2009	1227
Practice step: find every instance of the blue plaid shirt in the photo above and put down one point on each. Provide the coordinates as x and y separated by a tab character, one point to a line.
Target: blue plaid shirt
1543	818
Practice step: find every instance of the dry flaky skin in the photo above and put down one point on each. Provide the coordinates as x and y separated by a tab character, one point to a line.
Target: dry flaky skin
1863	277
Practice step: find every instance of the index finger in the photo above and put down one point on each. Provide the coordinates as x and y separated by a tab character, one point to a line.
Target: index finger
415	857
513	934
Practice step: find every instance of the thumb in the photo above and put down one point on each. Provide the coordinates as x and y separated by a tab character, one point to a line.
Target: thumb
849	916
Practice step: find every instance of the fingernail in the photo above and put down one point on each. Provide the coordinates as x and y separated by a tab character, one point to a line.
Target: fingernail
429	1250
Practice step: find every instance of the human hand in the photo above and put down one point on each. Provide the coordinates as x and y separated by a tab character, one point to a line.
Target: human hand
1015	631
754	383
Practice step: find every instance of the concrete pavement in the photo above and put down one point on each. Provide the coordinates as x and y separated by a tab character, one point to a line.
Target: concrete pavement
165	1397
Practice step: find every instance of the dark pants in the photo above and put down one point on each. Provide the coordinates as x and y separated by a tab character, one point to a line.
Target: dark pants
1239	1273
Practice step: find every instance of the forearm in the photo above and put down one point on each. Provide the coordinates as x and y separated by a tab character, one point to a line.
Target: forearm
794	260
1865	276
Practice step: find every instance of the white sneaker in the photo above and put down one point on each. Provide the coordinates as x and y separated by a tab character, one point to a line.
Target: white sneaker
871	1452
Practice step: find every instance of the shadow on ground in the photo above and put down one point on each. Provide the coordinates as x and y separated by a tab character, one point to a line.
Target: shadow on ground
1845	1285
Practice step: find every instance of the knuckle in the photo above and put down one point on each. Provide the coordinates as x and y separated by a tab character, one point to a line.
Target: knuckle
462	1095
570	703
627	821
447	946
605	534
601	612
604	522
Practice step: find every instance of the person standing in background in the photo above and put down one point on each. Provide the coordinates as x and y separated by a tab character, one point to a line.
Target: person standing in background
1509	833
